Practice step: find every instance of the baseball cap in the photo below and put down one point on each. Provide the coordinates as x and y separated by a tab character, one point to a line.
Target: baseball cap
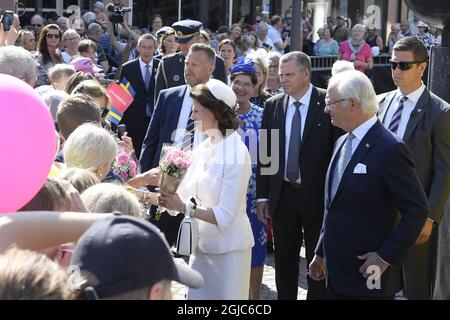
126	254
86	65
185	30
222	92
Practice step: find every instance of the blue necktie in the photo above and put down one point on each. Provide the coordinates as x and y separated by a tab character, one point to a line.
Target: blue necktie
344	158
293	165
395	122
147	76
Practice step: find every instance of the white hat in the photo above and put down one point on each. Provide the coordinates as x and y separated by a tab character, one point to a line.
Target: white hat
222	92
421	24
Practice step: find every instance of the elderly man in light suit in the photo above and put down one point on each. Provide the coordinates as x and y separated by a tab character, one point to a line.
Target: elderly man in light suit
375	206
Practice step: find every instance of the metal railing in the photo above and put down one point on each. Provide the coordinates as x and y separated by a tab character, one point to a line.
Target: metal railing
322	63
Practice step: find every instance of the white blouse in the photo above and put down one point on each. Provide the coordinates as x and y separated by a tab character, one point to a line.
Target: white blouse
218	178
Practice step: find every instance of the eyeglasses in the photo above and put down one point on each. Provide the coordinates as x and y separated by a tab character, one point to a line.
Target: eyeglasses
54	36
36	25
245	85
71	39
334	102
403	65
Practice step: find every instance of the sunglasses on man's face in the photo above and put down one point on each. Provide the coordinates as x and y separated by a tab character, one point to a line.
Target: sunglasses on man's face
403	65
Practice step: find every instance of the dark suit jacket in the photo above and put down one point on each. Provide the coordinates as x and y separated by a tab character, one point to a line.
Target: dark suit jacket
137	116
316	147
428	136
164	122
170	72
381	211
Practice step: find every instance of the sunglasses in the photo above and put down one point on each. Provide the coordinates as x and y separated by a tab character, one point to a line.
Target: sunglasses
54	36
403	65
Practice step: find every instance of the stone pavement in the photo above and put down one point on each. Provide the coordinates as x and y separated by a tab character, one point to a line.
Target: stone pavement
269	290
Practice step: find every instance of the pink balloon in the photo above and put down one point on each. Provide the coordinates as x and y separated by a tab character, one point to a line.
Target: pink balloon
27	143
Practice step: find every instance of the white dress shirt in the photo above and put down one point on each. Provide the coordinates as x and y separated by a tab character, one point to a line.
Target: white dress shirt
181	134
290	110
142	64
408	107
361	131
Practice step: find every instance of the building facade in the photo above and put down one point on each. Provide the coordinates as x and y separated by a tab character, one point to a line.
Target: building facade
213	13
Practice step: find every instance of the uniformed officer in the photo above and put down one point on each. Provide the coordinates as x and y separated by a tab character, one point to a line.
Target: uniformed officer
170	71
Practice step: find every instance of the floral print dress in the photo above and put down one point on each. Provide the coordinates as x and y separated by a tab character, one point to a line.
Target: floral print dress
249	125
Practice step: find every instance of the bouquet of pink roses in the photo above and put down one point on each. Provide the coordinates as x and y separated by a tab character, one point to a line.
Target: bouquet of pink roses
124	166
174	165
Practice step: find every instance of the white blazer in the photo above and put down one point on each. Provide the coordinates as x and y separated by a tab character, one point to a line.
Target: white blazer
218	178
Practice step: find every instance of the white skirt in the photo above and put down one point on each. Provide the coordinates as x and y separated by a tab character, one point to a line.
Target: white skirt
226	276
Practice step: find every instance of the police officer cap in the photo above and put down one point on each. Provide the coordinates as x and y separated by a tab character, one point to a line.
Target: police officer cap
185	30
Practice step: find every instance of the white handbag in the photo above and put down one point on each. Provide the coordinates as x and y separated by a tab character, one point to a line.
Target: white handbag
187	236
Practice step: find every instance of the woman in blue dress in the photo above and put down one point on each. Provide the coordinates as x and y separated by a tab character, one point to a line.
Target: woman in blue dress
243	81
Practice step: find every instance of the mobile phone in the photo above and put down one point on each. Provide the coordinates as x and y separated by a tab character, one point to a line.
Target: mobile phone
7	20
121	129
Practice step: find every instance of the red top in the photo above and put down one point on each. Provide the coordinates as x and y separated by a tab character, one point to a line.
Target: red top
363	54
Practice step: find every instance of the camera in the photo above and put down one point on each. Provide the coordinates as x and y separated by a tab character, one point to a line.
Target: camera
117	11
7	20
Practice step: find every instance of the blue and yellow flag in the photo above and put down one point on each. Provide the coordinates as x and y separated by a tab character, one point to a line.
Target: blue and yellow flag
125	84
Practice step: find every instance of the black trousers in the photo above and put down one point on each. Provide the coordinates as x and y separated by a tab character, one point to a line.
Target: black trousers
168	224
294	223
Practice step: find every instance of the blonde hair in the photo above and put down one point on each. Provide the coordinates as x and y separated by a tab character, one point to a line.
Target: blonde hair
94	89
109	197
70	32
260	59
59	70
28	275
89	146
81	179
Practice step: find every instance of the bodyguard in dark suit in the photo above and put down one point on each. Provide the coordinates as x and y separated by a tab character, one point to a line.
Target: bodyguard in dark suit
170	72
291	186
422	120
172	113
141	75
375	206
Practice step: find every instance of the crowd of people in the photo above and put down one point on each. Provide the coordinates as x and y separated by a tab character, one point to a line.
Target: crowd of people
373	193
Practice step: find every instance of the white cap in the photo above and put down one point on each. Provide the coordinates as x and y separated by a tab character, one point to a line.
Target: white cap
100	5
222	92
421	24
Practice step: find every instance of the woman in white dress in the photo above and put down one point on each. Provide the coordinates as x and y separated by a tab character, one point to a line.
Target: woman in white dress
217	178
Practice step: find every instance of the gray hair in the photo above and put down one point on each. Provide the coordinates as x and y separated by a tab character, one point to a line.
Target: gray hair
93	27
52	99
341	65
19	63
88	17
61	19
148	36
358	27
302	60
353	84
109	197
262	25
89	147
